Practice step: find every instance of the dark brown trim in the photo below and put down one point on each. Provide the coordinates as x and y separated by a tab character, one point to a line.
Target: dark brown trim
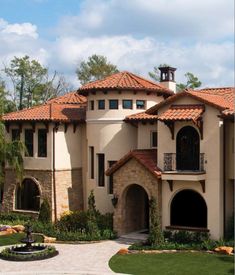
203	185
53	171
170	182
171	126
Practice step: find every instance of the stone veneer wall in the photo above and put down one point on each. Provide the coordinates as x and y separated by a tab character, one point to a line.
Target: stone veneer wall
133	173
69	190
43	178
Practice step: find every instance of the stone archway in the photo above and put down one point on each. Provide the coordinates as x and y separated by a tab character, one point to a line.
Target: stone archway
136	209
188	209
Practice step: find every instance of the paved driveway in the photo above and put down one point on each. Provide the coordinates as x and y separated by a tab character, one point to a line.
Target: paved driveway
72	259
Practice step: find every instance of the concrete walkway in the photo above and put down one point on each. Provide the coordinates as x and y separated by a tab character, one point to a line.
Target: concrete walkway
82	259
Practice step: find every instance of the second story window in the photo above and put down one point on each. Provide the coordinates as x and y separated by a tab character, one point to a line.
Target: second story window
42	143
127	104
111	163
101	104
91	105
91	153
113	104
140	104
100	169
28	140
15	134
153	139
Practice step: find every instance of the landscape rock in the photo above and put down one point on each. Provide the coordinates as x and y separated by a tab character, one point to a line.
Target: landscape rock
18	228
49	239
228	250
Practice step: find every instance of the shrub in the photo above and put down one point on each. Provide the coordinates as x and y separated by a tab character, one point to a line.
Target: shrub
73	221
45	212
184	236
12	217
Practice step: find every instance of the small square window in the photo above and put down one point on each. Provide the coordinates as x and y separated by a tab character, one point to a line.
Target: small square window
127	104
91	105
140	104
113	104
154	139
101	104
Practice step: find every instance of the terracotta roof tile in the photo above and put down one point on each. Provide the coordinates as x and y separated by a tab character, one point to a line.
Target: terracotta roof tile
141	117
182	112
147	158
220	98
62	109
124	81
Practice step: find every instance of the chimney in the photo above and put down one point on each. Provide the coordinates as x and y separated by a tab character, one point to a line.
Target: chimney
167	77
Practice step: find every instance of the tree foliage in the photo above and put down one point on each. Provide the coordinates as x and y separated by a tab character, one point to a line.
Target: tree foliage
31	82
95	68
192	82
155	75
45	212
155	232
6	105
10	153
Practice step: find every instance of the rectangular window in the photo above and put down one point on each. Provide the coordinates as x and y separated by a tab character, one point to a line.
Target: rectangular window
100	169
91	105
15	134
140	104
42	143
154	139
91	154
113	104
111	163
28	140
101	104
127	104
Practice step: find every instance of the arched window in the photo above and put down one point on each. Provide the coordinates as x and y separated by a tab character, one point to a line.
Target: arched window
28	196
187	149
189	209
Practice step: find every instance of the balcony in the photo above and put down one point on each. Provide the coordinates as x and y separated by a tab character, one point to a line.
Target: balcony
176	168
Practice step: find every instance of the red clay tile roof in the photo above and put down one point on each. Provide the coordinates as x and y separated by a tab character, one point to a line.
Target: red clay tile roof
147	158
182	112
220	98
141	117
62	109
125	81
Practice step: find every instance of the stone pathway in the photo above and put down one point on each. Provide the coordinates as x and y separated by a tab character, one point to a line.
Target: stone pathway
82	259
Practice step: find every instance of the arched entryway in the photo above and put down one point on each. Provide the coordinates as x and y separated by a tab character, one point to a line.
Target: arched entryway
187	149
136	209
28	196
189	209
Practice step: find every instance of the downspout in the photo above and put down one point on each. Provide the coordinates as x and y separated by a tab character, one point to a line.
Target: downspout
224	176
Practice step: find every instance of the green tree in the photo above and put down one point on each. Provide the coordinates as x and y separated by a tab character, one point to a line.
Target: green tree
10	153
155	232
92	216
31	82
95	68
192	82
6	105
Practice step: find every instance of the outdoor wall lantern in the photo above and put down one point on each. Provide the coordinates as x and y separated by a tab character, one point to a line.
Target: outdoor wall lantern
114	200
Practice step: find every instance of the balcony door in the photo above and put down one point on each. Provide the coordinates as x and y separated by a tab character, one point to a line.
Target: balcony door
187	149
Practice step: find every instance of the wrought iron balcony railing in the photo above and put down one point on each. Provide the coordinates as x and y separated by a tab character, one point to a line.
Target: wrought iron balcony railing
170	163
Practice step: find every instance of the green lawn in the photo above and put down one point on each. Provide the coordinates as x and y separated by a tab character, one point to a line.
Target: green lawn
184	263
16	238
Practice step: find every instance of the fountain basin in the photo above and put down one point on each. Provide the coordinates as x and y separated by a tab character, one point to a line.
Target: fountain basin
21	253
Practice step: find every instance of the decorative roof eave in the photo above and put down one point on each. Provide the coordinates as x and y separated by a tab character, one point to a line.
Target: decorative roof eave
171	99
128	157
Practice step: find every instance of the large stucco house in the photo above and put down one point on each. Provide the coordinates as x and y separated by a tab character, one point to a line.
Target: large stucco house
129	139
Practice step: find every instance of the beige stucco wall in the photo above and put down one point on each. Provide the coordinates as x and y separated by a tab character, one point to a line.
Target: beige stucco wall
211	145
68	148
144	135
106	131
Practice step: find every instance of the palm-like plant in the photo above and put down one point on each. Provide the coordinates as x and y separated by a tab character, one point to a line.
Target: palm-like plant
11	152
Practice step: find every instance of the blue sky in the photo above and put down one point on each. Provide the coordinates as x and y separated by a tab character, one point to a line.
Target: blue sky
194	36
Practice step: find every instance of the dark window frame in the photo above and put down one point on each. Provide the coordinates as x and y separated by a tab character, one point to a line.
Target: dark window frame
154	139
29	144
101	169
113	101
101	107
144	106
15	134
92	161
91	105
127	100
42	144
